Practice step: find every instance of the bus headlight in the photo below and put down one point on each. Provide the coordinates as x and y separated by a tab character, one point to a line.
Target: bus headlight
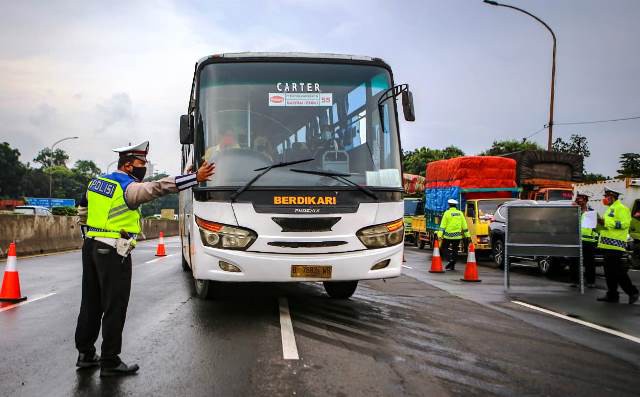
384	235
217	235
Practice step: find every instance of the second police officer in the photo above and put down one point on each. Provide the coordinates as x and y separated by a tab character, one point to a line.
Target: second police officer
453	228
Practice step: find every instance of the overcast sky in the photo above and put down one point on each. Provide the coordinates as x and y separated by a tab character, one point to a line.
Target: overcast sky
115	72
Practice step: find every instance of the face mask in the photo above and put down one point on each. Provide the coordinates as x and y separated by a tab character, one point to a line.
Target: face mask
139	172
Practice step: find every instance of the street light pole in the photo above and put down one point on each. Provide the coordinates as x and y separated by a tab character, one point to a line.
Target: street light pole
553	65
51	154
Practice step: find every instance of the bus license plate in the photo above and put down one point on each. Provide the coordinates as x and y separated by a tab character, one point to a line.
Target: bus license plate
311	271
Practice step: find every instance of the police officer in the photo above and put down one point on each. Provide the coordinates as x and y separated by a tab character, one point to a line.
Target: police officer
589	237
111	208
453	227
613	240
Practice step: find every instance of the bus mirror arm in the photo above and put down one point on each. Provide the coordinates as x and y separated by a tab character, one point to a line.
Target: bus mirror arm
407	102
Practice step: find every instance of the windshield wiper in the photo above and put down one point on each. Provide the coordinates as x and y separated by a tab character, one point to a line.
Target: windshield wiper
264	171
342	177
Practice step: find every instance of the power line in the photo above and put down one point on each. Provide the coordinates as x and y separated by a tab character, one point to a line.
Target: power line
535	133
598	121
582	123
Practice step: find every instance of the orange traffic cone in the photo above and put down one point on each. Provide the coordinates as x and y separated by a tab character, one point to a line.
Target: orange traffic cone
160	250
10	291
436	260
471	270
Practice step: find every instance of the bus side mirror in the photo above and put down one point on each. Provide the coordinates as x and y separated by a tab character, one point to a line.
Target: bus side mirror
186	132
407	106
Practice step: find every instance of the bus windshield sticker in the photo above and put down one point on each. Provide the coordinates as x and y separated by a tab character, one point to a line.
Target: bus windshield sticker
296	99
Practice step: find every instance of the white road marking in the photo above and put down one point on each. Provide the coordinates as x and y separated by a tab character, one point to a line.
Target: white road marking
289	348
408	267
581	322
160	258
29	300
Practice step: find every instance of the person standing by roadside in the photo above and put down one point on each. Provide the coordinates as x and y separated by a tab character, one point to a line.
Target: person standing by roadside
613	240
453	228
589	237
111	214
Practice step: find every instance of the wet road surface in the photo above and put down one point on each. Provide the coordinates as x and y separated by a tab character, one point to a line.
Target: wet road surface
413	335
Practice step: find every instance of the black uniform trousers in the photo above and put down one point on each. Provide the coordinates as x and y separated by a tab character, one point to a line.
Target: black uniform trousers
616	274
589	262
106	284
450	249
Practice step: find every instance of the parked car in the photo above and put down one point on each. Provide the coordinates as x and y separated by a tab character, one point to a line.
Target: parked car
32	210
547	265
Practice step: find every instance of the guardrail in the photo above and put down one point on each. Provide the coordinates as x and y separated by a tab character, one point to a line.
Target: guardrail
45	234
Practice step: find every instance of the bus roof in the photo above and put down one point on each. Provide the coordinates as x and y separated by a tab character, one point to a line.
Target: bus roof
303	55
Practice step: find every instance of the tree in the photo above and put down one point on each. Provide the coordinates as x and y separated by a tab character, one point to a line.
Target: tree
163	202
510	146
589	177
629	165
415	162
11	171
86	168
46	158
577	144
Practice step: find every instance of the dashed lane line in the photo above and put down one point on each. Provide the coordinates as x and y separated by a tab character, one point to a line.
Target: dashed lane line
407	267
289	347
30	300
581	322
160	258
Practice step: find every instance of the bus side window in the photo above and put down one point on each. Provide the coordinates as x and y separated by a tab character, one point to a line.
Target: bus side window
635	211
471	210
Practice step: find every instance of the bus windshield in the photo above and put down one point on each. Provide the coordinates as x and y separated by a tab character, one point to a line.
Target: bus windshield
255	114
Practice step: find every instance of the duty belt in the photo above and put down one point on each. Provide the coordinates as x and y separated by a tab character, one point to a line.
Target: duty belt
97	229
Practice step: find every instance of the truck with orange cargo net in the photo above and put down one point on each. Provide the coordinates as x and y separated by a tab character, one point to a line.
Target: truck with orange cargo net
479	183
545	175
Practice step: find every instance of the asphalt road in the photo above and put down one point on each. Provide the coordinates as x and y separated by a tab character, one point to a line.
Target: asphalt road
413	335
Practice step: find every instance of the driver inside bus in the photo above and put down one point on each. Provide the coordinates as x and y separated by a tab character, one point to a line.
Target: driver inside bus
228	140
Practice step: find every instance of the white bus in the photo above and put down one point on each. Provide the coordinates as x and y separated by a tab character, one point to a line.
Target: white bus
308	183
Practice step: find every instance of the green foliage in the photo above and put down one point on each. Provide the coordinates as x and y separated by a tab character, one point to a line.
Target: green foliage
154	207
11	171
66	211
20	180
510	146
577	144
629	165
46	158
415	162
86	168
589	177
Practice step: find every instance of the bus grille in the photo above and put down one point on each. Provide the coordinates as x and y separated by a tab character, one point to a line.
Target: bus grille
307	225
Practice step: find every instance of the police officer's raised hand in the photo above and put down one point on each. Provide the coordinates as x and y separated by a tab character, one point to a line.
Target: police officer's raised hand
206	171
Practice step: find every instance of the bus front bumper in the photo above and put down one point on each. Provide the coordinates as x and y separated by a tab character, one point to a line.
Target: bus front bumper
272	267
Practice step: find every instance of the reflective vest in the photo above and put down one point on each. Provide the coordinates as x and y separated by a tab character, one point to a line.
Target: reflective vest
588	234
453	225
617	219
107	211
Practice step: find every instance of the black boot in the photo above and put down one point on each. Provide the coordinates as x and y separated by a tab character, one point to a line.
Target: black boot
88	360
121	370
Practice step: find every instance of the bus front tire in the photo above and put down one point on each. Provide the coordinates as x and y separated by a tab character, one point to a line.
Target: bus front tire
204	288
340	289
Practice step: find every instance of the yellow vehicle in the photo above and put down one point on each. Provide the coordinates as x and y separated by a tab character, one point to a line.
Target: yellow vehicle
412	207
478	213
